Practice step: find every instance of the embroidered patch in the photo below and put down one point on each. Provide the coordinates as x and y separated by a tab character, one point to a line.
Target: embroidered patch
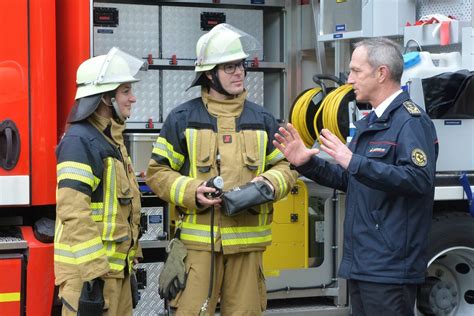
418	157
227	139
412	108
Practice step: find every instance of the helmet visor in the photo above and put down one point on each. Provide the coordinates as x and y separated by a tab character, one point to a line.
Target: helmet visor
119	67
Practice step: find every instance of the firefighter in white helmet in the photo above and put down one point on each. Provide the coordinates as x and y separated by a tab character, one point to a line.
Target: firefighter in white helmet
98	200
222	134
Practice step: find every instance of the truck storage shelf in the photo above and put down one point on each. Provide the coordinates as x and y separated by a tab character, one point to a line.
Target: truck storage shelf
247	3
188	64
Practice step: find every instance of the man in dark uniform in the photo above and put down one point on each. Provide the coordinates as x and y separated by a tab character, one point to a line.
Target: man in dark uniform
388	173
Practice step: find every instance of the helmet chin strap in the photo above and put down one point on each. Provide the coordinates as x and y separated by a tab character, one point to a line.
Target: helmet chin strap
216	84
115	108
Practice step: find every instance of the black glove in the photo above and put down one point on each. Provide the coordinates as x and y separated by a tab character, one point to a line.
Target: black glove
91	301
134	288
245	197
173	276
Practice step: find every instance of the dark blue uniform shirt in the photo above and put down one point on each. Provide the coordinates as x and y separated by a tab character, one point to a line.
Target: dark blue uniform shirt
389	187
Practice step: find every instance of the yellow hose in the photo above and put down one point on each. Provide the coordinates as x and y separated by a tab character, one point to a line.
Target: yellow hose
329	109
298	114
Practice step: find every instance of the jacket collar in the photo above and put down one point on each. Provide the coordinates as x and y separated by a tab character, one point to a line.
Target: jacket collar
231	108
396	103
109	127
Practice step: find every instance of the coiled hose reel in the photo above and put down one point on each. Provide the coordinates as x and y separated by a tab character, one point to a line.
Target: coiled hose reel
322	107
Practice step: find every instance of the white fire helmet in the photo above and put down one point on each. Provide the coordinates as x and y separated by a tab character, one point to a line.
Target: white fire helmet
224	43
101	74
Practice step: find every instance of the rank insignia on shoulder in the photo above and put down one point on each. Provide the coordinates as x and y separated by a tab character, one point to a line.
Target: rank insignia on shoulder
418	157
412	108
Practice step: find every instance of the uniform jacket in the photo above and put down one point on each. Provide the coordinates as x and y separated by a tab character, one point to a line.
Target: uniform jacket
98	202
203	138
390	188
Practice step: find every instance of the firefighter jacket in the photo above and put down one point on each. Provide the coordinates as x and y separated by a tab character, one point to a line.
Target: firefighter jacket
98	202
205	137
390	189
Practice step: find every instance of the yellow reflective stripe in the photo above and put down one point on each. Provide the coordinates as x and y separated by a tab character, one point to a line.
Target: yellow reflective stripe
58	231
265	209
116	262
165	149
248	235
118	255
81	253
97	211
263	218
116	267
262	145
77	171
10	297
131	253
110	201
116	259
282	185
86	245
196	232
191	139
190	218
130	256
274	157
178	188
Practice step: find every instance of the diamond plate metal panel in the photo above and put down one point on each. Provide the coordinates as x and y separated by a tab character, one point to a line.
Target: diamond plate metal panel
137	32
175	82
150	303
148	95
180	38
154	222
254	85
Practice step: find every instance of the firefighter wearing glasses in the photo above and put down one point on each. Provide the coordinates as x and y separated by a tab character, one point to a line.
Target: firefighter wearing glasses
98	201
220	133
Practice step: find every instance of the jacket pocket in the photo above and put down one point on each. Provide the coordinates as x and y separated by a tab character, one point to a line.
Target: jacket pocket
124	189
250	150
380	228
378	150
205	150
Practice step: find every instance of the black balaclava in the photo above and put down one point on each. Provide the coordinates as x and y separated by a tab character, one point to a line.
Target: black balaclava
215	83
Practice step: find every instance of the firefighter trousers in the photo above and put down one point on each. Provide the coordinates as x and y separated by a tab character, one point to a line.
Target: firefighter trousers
239	284
117	296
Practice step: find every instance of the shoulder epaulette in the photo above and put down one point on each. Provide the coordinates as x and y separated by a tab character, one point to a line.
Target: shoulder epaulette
412	108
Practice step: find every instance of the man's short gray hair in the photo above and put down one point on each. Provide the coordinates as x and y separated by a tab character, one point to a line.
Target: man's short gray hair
383	51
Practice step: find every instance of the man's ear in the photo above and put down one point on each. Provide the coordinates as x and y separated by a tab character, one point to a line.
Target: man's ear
383	73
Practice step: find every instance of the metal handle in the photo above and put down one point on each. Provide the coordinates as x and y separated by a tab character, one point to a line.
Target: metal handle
10	144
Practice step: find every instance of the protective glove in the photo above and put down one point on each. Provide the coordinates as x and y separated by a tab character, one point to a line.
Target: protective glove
173	276
134	288
91	301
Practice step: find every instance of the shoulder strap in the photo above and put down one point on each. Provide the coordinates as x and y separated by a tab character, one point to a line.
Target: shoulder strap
412	108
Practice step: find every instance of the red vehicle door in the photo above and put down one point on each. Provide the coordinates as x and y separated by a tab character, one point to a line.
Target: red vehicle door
14	100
